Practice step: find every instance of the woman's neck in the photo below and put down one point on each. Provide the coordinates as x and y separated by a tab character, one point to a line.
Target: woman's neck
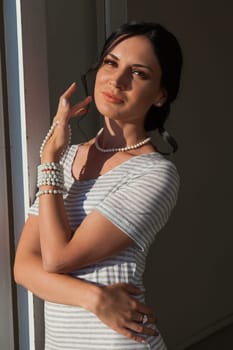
117	135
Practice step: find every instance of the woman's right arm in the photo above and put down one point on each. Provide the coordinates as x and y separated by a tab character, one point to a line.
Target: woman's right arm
113	305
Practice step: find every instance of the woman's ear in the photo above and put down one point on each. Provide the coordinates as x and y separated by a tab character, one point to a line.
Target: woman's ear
161	98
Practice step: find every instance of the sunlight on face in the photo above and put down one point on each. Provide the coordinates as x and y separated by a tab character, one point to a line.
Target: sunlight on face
128	81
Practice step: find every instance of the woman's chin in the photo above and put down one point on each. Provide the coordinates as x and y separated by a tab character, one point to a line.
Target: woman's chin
110	113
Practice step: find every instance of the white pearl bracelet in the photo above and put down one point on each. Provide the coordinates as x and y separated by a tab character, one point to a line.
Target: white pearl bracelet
50	174
50	166
50	191
49	182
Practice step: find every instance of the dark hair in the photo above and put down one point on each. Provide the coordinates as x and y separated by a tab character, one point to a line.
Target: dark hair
168	52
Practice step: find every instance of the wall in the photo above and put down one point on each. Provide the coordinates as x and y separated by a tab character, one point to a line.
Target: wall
72	39
190	266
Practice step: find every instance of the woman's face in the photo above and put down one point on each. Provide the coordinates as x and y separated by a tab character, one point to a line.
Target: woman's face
128	81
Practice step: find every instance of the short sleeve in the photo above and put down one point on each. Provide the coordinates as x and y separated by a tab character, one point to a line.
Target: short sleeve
142	206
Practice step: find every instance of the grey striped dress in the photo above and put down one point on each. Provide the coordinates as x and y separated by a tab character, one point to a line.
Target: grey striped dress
138	197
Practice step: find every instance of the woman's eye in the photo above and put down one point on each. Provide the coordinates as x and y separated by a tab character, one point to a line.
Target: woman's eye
109	62
139	73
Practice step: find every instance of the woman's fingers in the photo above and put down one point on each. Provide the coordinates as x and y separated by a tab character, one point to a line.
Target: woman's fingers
69	92
81	107
140	328
64	105
151	319
71	89
133	329
139	309
66	111
144	309
131	335
132	289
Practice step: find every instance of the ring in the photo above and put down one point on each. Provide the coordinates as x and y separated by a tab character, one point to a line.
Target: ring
144	319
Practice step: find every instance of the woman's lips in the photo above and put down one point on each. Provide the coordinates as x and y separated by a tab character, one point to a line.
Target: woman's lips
112	98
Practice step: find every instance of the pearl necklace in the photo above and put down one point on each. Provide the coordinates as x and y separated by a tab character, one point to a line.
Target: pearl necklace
120	149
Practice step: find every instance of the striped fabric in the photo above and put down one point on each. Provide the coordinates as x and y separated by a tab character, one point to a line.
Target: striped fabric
138	197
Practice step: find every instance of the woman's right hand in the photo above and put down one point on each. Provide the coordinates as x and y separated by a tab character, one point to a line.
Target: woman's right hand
119	310
59	139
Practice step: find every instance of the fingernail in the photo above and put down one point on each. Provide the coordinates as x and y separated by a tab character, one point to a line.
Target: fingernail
64	102
81	110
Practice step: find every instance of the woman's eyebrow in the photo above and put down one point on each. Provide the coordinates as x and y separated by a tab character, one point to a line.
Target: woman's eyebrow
135	64
143	66
113	56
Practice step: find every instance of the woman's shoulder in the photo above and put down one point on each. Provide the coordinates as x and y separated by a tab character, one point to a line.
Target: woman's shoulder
155	177
152	162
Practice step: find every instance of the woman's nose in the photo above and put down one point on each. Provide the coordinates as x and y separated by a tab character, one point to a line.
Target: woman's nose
120	79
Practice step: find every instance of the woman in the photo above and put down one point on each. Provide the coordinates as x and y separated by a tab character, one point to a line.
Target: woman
99	208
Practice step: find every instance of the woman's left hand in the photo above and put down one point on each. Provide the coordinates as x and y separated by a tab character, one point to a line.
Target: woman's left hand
119	309
60	136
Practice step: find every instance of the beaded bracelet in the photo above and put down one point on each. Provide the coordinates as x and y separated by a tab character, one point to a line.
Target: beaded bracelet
49	134
50	174
42	176
48	177
50	191
51	183
50	166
